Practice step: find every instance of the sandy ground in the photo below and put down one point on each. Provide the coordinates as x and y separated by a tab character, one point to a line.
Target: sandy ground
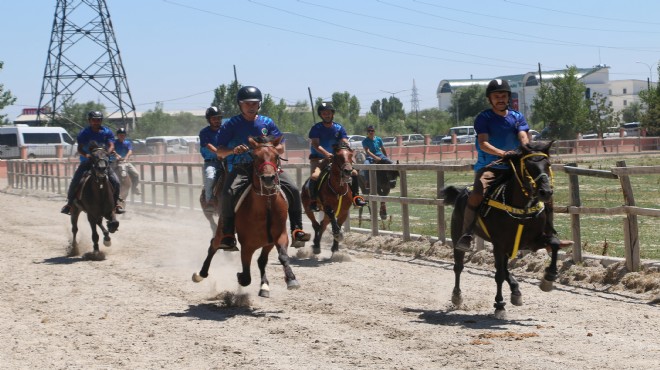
369	307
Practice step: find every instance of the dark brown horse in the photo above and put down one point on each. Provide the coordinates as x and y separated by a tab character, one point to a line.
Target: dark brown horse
94	197
512	218
385	182
336	197
260	219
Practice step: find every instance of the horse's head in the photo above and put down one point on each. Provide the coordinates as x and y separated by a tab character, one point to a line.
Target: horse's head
342	158
533	170
100	160
266	161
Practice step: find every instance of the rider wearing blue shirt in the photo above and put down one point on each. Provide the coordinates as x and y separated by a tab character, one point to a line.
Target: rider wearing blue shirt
324	136
124	151
233	145
104	137
374	149
208	147
500	131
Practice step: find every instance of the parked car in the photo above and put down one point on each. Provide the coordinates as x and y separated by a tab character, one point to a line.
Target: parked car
464	134
534	135
412	139
632	129
355	141
139	146
295	141
389	141
173	144
437	139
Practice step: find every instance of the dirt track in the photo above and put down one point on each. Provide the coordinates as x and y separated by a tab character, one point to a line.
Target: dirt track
139	309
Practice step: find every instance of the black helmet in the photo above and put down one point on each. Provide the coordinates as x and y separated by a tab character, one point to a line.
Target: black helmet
213	112
325	106
498	85
248	93
95	115
121	130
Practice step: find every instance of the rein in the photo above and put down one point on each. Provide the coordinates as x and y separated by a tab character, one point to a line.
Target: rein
524	173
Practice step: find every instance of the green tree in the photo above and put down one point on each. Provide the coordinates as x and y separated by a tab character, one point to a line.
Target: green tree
431	121
6	98
224	97
632	113
650	120
601	114
467	103
73	116
155	123
561	105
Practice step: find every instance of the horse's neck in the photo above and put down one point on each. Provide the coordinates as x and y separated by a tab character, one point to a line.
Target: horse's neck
514	194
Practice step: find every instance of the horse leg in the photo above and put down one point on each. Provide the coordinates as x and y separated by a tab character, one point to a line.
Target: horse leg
456	297
204	272
319	228
551	271
336	229
516	295
383	211
106	235
74	230
500	276
95	234
262	261
244	277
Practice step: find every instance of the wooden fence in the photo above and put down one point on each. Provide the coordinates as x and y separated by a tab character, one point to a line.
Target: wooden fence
177	185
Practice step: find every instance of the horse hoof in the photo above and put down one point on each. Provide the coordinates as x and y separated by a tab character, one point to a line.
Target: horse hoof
316	250
338	237
113	226
107	242
500	314
197	277
457	300
264	293
546	285
292	284
516	299
243	281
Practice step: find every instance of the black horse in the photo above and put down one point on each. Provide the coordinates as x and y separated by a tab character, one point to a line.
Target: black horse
512	218
94	197
385	181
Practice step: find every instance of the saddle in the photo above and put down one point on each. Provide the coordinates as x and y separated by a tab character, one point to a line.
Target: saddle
87	175
493	198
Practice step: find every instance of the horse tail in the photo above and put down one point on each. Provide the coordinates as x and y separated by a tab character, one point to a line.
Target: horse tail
451	194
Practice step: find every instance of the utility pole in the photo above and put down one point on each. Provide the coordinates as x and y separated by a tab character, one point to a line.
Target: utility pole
84	60
414	104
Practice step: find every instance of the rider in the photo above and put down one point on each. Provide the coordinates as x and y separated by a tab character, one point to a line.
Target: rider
324	135
375	150
233	145
124	150
208	147
103	136
500	131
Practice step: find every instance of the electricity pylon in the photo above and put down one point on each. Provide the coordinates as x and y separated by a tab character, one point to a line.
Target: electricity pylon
84	61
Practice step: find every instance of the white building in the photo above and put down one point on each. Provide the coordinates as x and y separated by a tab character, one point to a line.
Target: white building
619	93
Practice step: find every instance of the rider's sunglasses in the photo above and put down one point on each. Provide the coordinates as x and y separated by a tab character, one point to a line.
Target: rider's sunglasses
371	130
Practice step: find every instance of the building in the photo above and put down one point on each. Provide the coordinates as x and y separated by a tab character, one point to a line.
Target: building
524	87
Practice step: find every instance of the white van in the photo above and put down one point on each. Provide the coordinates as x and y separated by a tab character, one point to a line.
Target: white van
40	141
464	134
172	144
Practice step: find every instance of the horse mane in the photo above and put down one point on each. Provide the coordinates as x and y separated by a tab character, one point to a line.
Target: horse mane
264	139
341	145
537	146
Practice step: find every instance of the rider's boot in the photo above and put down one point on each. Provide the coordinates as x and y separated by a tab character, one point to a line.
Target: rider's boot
464	244
549	232
313	195
228	242
118	208
66	209
358	200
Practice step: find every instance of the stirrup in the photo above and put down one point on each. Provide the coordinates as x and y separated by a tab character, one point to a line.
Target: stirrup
464	244
228	243
359	201
298	238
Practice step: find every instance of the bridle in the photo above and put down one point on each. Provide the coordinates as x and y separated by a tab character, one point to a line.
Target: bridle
265	187
528	183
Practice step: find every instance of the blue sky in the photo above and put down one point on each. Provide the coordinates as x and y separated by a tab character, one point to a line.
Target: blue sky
178	51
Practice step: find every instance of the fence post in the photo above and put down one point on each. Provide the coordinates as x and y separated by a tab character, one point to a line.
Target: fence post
373	179
405	214
574	199
630	229
442	233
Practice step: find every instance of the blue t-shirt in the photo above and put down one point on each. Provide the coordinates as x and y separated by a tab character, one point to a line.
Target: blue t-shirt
328	136
122	147
103	138
208	136
502	134
374	145
237	130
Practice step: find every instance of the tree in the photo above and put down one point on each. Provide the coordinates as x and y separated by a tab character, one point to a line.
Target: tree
468	102
632	113
601	114
73	116
6	98
155	123
650	120
561	106
224	97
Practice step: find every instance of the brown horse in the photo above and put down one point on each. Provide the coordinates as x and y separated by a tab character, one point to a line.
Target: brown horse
260	219
335	195
512	218
94	197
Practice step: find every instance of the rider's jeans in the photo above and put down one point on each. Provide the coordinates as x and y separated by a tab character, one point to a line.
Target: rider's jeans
210	170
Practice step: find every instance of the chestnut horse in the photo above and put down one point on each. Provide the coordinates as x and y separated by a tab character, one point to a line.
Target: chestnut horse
260	219
335	195
94	197
512	218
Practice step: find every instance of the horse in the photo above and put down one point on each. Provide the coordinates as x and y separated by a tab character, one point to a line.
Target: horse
261	217
385	181
94	197
125	182
213	208
512	217
335	195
